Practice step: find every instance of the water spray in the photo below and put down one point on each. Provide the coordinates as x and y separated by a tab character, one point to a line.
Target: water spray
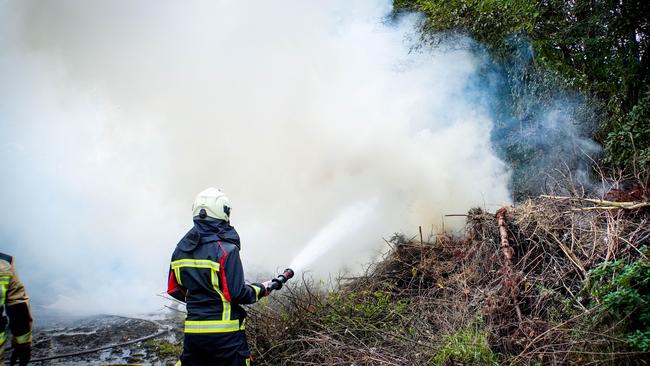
347	222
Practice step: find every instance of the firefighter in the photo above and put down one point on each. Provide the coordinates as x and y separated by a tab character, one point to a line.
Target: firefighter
14	300
206	273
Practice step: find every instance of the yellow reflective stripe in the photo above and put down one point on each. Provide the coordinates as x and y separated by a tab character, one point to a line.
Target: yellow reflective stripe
225	314
257	292
4	283
25	338
195	263
212	326
248	361
204	263
3	338
234	322
192	263
177	273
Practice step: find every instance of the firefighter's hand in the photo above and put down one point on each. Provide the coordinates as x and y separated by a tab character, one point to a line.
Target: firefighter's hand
267	287
21	354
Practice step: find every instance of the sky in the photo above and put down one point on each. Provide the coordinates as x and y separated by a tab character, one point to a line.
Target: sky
320	120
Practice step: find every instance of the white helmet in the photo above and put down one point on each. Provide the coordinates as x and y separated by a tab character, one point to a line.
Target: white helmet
213	203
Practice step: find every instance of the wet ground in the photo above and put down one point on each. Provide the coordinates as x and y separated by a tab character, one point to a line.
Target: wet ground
66	336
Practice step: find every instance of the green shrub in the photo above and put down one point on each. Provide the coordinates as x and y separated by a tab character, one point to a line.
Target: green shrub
469	345
623	292
163	349
378	307
628	143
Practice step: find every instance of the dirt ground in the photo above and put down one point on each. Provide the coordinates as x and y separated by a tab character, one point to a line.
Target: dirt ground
64	336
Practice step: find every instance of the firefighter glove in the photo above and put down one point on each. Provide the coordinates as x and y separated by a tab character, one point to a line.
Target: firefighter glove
267	287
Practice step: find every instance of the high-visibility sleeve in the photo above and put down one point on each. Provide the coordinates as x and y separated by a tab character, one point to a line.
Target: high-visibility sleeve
15	291
236	289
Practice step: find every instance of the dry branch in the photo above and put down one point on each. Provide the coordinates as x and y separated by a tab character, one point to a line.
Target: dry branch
602	204
522	274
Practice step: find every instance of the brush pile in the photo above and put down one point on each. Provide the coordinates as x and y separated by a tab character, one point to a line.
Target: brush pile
555	280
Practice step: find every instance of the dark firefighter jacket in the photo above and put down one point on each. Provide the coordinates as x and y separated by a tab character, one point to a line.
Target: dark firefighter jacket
206	273
15	302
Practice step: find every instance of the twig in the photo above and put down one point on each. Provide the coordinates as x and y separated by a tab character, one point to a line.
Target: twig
572	258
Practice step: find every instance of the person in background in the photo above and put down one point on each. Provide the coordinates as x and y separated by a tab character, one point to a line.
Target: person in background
15	303
206	273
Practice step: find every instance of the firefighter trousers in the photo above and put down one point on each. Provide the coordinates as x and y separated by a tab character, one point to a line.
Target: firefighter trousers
228	349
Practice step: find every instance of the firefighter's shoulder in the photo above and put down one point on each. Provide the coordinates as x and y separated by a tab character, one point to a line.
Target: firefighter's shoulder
5	263
229	235
229	247
6	258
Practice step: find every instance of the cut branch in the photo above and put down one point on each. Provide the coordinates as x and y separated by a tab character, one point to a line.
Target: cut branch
507	252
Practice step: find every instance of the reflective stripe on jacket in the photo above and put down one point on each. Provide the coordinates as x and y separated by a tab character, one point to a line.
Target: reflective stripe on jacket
206	273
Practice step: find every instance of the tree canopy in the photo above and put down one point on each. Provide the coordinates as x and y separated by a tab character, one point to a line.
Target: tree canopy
597	47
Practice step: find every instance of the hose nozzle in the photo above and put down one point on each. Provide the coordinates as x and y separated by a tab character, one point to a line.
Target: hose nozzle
281	279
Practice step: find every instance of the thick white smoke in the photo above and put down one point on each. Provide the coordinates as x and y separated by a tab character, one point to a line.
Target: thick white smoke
114	114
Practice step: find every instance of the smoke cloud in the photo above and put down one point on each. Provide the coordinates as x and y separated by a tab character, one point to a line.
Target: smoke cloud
114	114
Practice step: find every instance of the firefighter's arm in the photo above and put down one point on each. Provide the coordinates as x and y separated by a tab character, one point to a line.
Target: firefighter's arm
174	289
18	312
235	289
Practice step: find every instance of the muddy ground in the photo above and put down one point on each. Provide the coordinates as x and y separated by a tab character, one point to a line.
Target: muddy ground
64	336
